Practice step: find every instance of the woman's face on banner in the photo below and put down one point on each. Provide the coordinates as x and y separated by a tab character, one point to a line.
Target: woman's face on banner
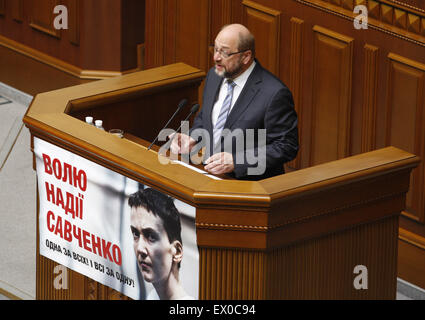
153	250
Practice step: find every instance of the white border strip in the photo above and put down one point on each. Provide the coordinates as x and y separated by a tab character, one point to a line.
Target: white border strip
410	290
15	95
15	291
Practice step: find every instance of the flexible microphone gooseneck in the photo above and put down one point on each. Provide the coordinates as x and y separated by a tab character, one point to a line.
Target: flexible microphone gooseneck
181	104
194	109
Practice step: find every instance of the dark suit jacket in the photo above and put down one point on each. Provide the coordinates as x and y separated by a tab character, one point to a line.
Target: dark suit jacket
264	103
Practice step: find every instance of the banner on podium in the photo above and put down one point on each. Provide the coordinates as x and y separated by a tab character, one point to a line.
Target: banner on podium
114	230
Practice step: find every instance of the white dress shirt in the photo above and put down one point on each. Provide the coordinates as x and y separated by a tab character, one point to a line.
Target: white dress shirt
240	83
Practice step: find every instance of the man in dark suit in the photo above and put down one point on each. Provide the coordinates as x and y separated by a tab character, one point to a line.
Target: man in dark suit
247	112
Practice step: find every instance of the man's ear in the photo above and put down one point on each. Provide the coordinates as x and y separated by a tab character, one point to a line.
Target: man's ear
177	251
247	57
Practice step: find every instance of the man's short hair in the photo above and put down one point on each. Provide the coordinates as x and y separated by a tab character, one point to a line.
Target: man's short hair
247	42
160	205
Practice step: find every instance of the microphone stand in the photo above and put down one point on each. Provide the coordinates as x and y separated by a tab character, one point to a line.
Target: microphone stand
182	103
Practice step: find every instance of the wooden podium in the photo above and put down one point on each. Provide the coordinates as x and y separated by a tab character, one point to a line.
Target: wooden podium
295	236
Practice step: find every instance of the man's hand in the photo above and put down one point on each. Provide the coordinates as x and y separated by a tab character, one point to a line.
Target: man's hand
181	143
220	163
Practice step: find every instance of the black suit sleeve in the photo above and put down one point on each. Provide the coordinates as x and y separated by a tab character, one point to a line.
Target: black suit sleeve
281	145
199	119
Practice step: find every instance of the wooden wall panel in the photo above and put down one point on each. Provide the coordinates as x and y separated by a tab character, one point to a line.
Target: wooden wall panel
264	23
417	4
332	68
370	91
101	37
17	9
31	76
305	270
155	33
295	77
73	21
2	8
104	39
167	32
221	14
132	34
411	262
406	124
41	16
192	50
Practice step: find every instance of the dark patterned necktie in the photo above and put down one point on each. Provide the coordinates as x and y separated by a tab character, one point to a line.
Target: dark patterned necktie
224	112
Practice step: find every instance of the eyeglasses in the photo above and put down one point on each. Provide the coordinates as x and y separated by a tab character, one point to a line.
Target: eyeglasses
213	50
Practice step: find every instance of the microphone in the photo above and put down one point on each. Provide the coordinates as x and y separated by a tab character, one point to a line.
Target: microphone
181	104
194	109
